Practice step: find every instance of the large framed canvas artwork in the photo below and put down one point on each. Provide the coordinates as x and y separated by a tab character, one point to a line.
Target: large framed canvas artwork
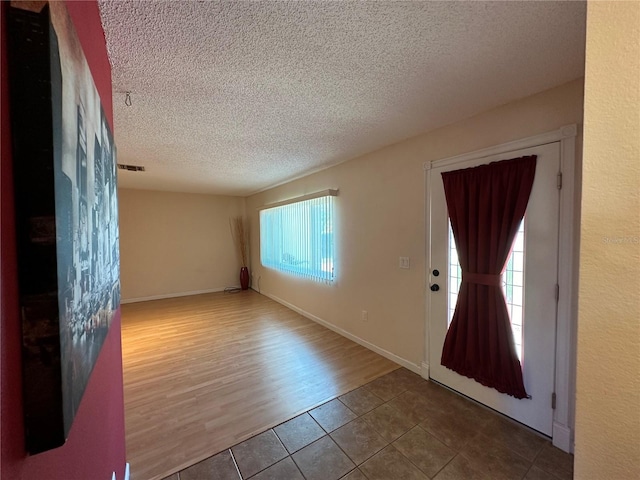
66	218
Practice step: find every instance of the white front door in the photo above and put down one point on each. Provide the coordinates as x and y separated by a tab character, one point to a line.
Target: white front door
529	284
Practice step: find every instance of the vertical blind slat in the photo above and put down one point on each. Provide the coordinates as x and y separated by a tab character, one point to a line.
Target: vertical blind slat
298	238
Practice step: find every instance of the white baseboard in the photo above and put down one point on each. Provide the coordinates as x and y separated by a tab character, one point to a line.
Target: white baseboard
381	351
171	295
562	437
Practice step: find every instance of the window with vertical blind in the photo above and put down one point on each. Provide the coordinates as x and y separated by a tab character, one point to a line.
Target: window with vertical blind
297	236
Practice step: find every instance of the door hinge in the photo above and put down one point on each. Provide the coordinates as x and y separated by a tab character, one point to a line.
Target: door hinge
557	292
559	180
553	401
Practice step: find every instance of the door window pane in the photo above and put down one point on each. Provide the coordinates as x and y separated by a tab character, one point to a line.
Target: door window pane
512	284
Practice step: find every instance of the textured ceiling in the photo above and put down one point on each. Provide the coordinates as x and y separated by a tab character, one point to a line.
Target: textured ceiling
234	97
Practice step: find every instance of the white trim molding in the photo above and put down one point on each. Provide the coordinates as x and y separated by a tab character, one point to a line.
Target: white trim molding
173	295
568	246
310	196
562	437
374	348
567	316
424	370
563	133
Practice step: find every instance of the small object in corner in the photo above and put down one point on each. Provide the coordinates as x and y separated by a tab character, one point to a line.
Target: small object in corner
244	278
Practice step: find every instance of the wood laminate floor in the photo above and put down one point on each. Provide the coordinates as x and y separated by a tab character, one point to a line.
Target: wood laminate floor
206	372
397	427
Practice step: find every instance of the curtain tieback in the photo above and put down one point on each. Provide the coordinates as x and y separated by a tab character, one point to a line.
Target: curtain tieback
490	279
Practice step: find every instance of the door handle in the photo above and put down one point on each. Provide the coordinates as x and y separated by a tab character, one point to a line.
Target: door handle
435	287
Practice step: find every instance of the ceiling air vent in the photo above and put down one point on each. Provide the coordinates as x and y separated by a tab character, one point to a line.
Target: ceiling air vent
131	168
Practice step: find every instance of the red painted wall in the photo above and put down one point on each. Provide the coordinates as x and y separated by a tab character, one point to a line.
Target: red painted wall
95	447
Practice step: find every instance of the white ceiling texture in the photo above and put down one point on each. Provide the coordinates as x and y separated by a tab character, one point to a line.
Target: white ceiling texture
233	97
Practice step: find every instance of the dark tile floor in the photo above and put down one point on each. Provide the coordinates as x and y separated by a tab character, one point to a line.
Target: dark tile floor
398	427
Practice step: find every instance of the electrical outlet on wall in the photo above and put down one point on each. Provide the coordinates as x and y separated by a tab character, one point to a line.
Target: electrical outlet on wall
404	262
365	316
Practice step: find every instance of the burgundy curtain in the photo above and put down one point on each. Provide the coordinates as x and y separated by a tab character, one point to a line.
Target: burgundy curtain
486	205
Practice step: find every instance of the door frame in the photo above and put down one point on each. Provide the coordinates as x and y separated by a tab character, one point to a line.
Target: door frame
568	254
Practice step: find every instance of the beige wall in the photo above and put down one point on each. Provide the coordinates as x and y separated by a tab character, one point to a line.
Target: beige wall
176	243
381	217
608	379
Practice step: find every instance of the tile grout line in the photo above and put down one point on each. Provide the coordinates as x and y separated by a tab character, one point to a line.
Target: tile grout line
294	460
391	443
387	442
336	443
326	434
296	463
357	465
235	464
533	463
411	461
445	465
527	472
289	454
369	457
